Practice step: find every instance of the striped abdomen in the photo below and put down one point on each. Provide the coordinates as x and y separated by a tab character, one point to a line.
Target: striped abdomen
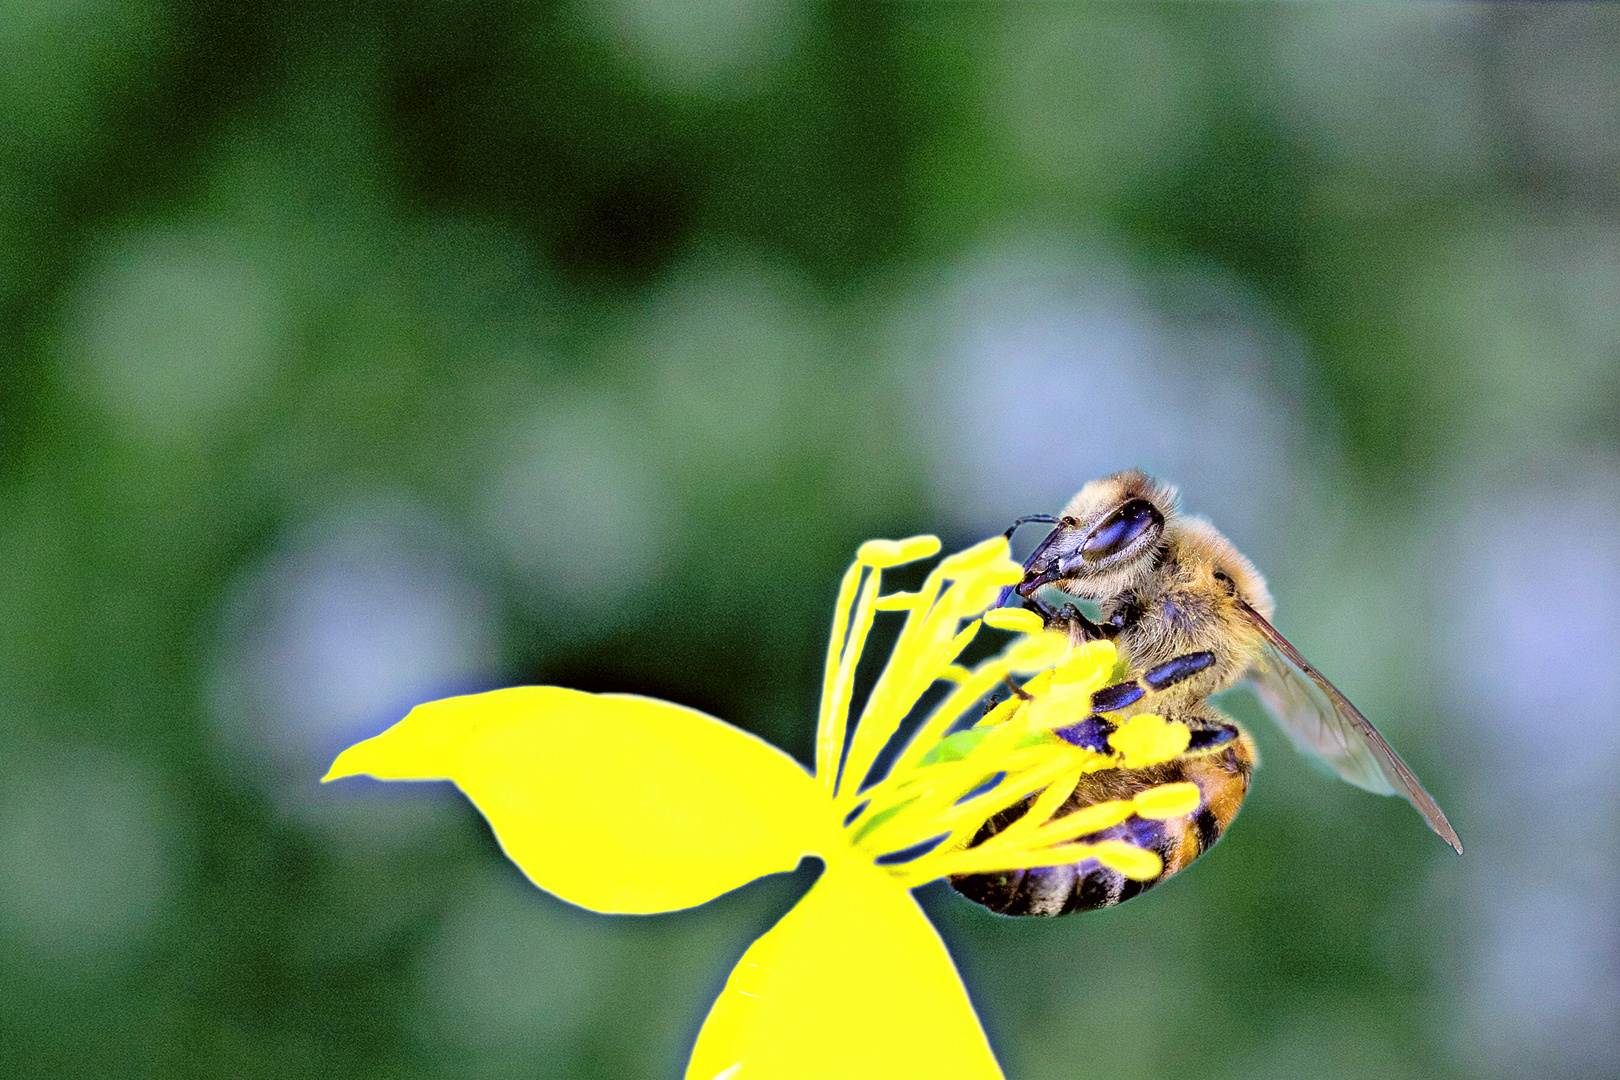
1223	777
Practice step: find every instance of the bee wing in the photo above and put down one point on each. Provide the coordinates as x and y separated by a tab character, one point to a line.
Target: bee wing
1307	714
1321	720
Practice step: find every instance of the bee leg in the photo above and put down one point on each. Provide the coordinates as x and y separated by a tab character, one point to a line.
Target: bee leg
1162	677
1091	734
1046	611
1177	669
1118	622
1017	690
1116	697
1212	737
1089	630
1070	619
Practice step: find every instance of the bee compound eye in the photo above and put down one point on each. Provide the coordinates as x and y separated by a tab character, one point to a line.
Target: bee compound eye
1120	529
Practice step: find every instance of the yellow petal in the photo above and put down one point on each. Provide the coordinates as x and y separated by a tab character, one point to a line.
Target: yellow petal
613	802
853	984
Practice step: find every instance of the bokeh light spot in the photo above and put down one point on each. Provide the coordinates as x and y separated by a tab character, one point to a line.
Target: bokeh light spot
1532	666
711	47
173	330
1094	96
87	852
1060	366
578	511
351	621
730	352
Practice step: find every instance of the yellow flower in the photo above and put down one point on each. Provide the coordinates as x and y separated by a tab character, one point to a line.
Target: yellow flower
625	804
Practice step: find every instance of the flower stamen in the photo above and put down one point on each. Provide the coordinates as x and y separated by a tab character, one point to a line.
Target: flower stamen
919	819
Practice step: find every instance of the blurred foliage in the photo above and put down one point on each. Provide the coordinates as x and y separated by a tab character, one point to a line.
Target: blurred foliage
355	354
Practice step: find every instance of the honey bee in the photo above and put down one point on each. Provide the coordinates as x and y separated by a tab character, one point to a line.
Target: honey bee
1191	617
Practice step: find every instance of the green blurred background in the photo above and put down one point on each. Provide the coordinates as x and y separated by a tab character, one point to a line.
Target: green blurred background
358	354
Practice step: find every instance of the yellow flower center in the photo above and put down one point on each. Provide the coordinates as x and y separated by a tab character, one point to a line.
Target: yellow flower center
948	780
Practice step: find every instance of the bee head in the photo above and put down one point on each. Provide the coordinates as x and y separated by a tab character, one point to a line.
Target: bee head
1108	537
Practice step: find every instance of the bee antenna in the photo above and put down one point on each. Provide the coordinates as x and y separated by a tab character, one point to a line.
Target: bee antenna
1044	519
